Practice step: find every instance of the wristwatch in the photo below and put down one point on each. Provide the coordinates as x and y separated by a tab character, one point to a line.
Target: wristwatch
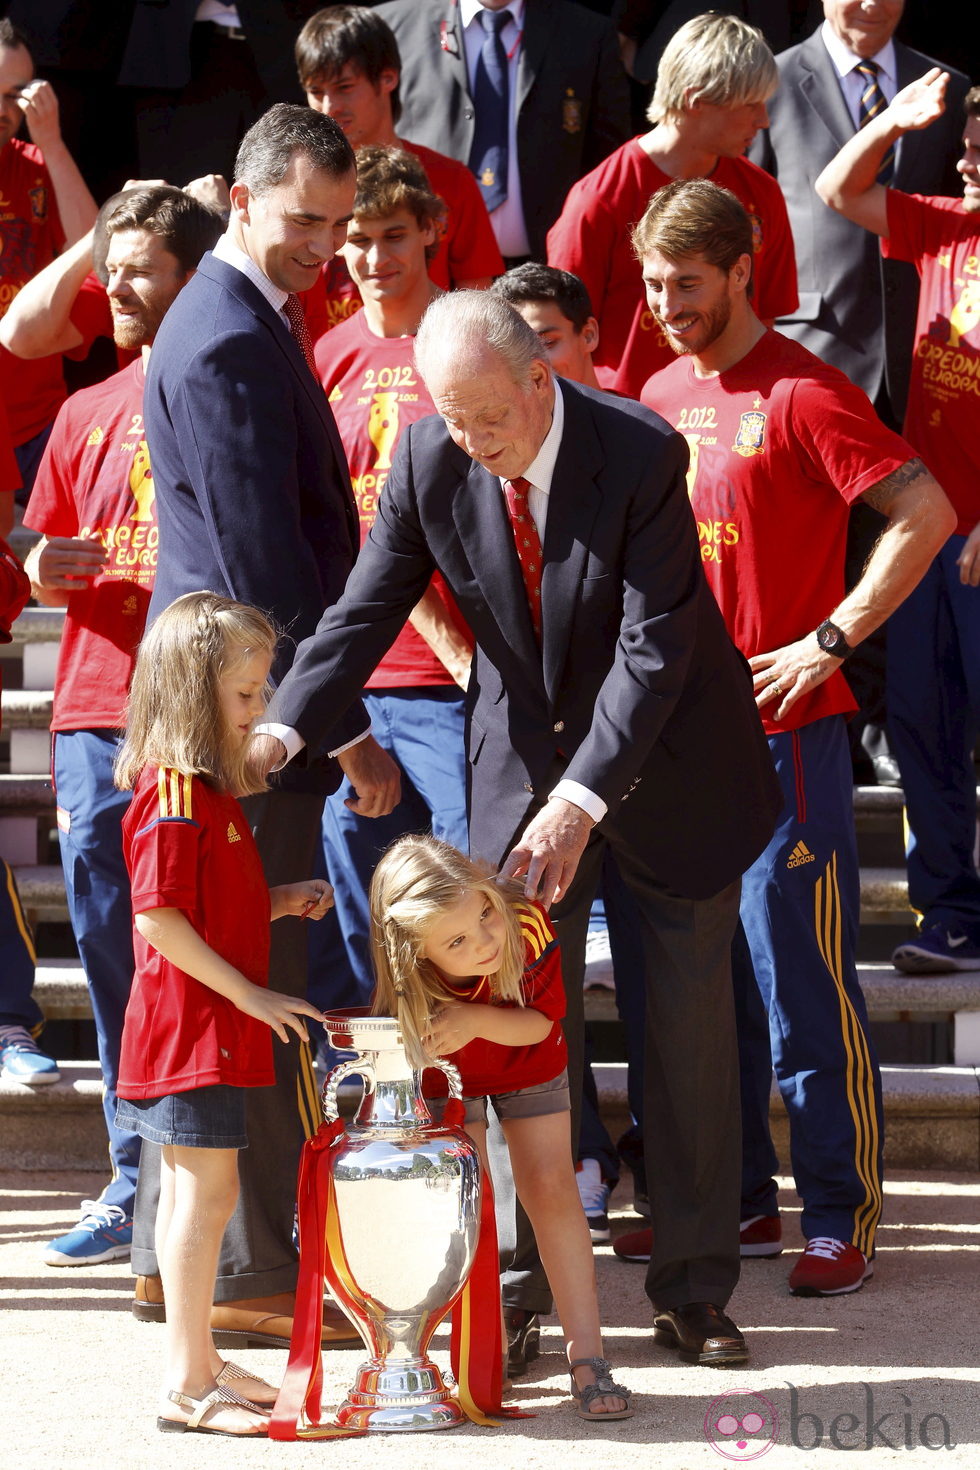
832	640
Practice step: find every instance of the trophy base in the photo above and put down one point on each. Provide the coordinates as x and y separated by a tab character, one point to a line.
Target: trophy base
409	1398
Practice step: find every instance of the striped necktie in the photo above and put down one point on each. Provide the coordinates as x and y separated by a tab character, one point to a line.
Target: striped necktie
873	101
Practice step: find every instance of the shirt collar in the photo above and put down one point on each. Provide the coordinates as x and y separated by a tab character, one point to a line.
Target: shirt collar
470	8
541	471
229	252
845	60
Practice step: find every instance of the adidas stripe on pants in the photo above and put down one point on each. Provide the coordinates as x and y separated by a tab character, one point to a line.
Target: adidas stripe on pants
800	913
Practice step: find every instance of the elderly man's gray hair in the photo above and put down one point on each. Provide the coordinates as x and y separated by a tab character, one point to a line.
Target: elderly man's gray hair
462	324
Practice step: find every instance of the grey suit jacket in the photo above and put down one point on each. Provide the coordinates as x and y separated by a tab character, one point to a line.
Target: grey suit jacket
856	310
573	95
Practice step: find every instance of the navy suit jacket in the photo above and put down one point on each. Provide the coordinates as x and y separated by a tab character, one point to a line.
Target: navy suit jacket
572	95
857	311
636	692
253	493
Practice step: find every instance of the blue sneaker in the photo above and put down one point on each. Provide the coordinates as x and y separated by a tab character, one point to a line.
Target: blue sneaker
936	950
22	1060
104	1233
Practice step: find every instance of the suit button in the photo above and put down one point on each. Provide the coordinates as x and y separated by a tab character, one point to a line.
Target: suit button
558	726
529	788
468	114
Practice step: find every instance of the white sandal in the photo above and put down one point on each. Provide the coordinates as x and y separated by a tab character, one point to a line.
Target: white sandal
217	1398
239	1380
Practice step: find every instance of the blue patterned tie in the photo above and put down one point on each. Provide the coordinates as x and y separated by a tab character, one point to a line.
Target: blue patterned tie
873	101
491	98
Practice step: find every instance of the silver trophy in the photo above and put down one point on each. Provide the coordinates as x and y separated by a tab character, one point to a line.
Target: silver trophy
408	1205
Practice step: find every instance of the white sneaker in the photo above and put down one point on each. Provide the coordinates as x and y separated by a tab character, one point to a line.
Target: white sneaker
593	1191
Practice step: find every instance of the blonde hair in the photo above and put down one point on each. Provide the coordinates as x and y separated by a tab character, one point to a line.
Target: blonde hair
721	58
417	880
175	717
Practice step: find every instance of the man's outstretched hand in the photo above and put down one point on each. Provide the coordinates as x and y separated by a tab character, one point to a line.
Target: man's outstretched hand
549	851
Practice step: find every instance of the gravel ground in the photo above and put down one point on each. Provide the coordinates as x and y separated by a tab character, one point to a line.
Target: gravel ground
80	1376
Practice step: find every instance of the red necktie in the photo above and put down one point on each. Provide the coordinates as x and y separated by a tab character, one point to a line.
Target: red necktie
297	325
528	545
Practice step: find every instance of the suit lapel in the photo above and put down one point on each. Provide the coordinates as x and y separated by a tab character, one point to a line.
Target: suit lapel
820	86
485	531
537	32
573	504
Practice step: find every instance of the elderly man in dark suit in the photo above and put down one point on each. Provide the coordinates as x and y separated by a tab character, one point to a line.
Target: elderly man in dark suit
563	102
253	500
607	705
857	309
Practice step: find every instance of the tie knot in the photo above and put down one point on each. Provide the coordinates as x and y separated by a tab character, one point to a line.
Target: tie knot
868	69
494	20
519	487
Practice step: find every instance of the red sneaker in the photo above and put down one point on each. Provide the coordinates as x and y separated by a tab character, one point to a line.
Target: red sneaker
635	1246
761	1236
829	1267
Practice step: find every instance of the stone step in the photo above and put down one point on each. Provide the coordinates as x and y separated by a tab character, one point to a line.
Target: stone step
26	709
39	625
932	1118
932	1115
884	891
26	796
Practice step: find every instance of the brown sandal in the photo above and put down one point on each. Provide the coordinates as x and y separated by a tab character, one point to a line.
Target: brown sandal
602	1388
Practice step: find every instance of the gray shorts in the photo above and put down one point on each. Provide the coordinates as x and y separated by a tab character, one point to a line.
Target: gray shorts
523	1102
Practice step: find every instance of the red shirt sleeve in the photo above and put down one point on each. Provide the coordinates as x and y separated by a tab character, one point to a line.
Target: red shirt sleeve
52	509
542	980
163	847
843	438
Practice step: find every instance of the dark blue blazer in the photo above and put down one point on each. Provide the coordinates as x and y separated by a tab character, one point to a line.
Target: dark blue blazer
636	692
253	493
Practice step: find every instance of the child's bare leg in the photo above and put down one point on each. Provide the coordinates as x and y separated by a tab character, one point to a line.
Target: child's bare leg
205	1188
541	1159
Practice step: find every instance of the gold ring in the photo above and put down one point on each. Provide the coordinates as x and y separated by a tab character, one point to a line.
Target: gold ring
776	688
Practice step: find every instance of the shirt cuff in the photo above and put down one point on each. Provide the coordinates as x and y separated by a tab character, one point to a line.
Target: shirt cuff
290	738
581	796
356	741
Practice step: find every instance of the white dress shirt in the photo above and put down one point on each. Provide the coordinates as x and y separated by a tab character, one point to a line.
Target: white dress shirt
851	82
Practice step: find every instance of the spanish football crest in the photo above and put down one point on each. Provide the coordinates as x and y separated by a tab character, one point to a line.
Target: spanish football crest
751	435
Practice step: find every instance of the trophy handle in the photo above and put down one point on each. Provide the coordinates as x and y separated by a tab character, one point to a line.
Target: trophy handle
452	1076
357	1066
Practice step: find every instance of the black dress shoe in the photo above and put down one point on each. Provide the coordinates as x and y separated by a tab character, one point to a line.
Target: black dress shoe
699	1332
523	1340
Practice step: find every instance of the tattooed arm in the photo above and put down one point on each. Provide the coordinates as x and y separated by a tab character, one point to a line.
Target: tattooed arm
919	519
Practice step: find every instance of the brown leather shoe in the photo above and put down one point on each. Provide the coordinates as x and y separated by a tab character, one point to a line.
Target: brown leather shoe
267	1321
251	1322
699	1332
148	1300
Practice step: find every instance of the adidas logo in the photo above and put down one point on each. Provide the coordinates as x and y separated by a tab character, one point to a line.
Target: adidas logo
97	435
801	854
231	834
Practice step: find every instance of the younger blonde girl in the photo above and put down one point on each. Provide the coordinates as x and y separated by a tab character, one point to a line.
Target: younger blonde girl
471	970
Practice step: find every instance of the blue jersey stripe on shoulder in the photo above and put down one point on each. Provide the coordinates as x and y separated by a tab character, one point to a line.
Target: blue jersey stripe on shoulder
171	821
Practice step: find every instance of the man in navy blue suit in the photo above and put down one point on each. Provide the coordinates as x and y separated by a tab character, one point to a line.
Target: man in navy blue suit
254	501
